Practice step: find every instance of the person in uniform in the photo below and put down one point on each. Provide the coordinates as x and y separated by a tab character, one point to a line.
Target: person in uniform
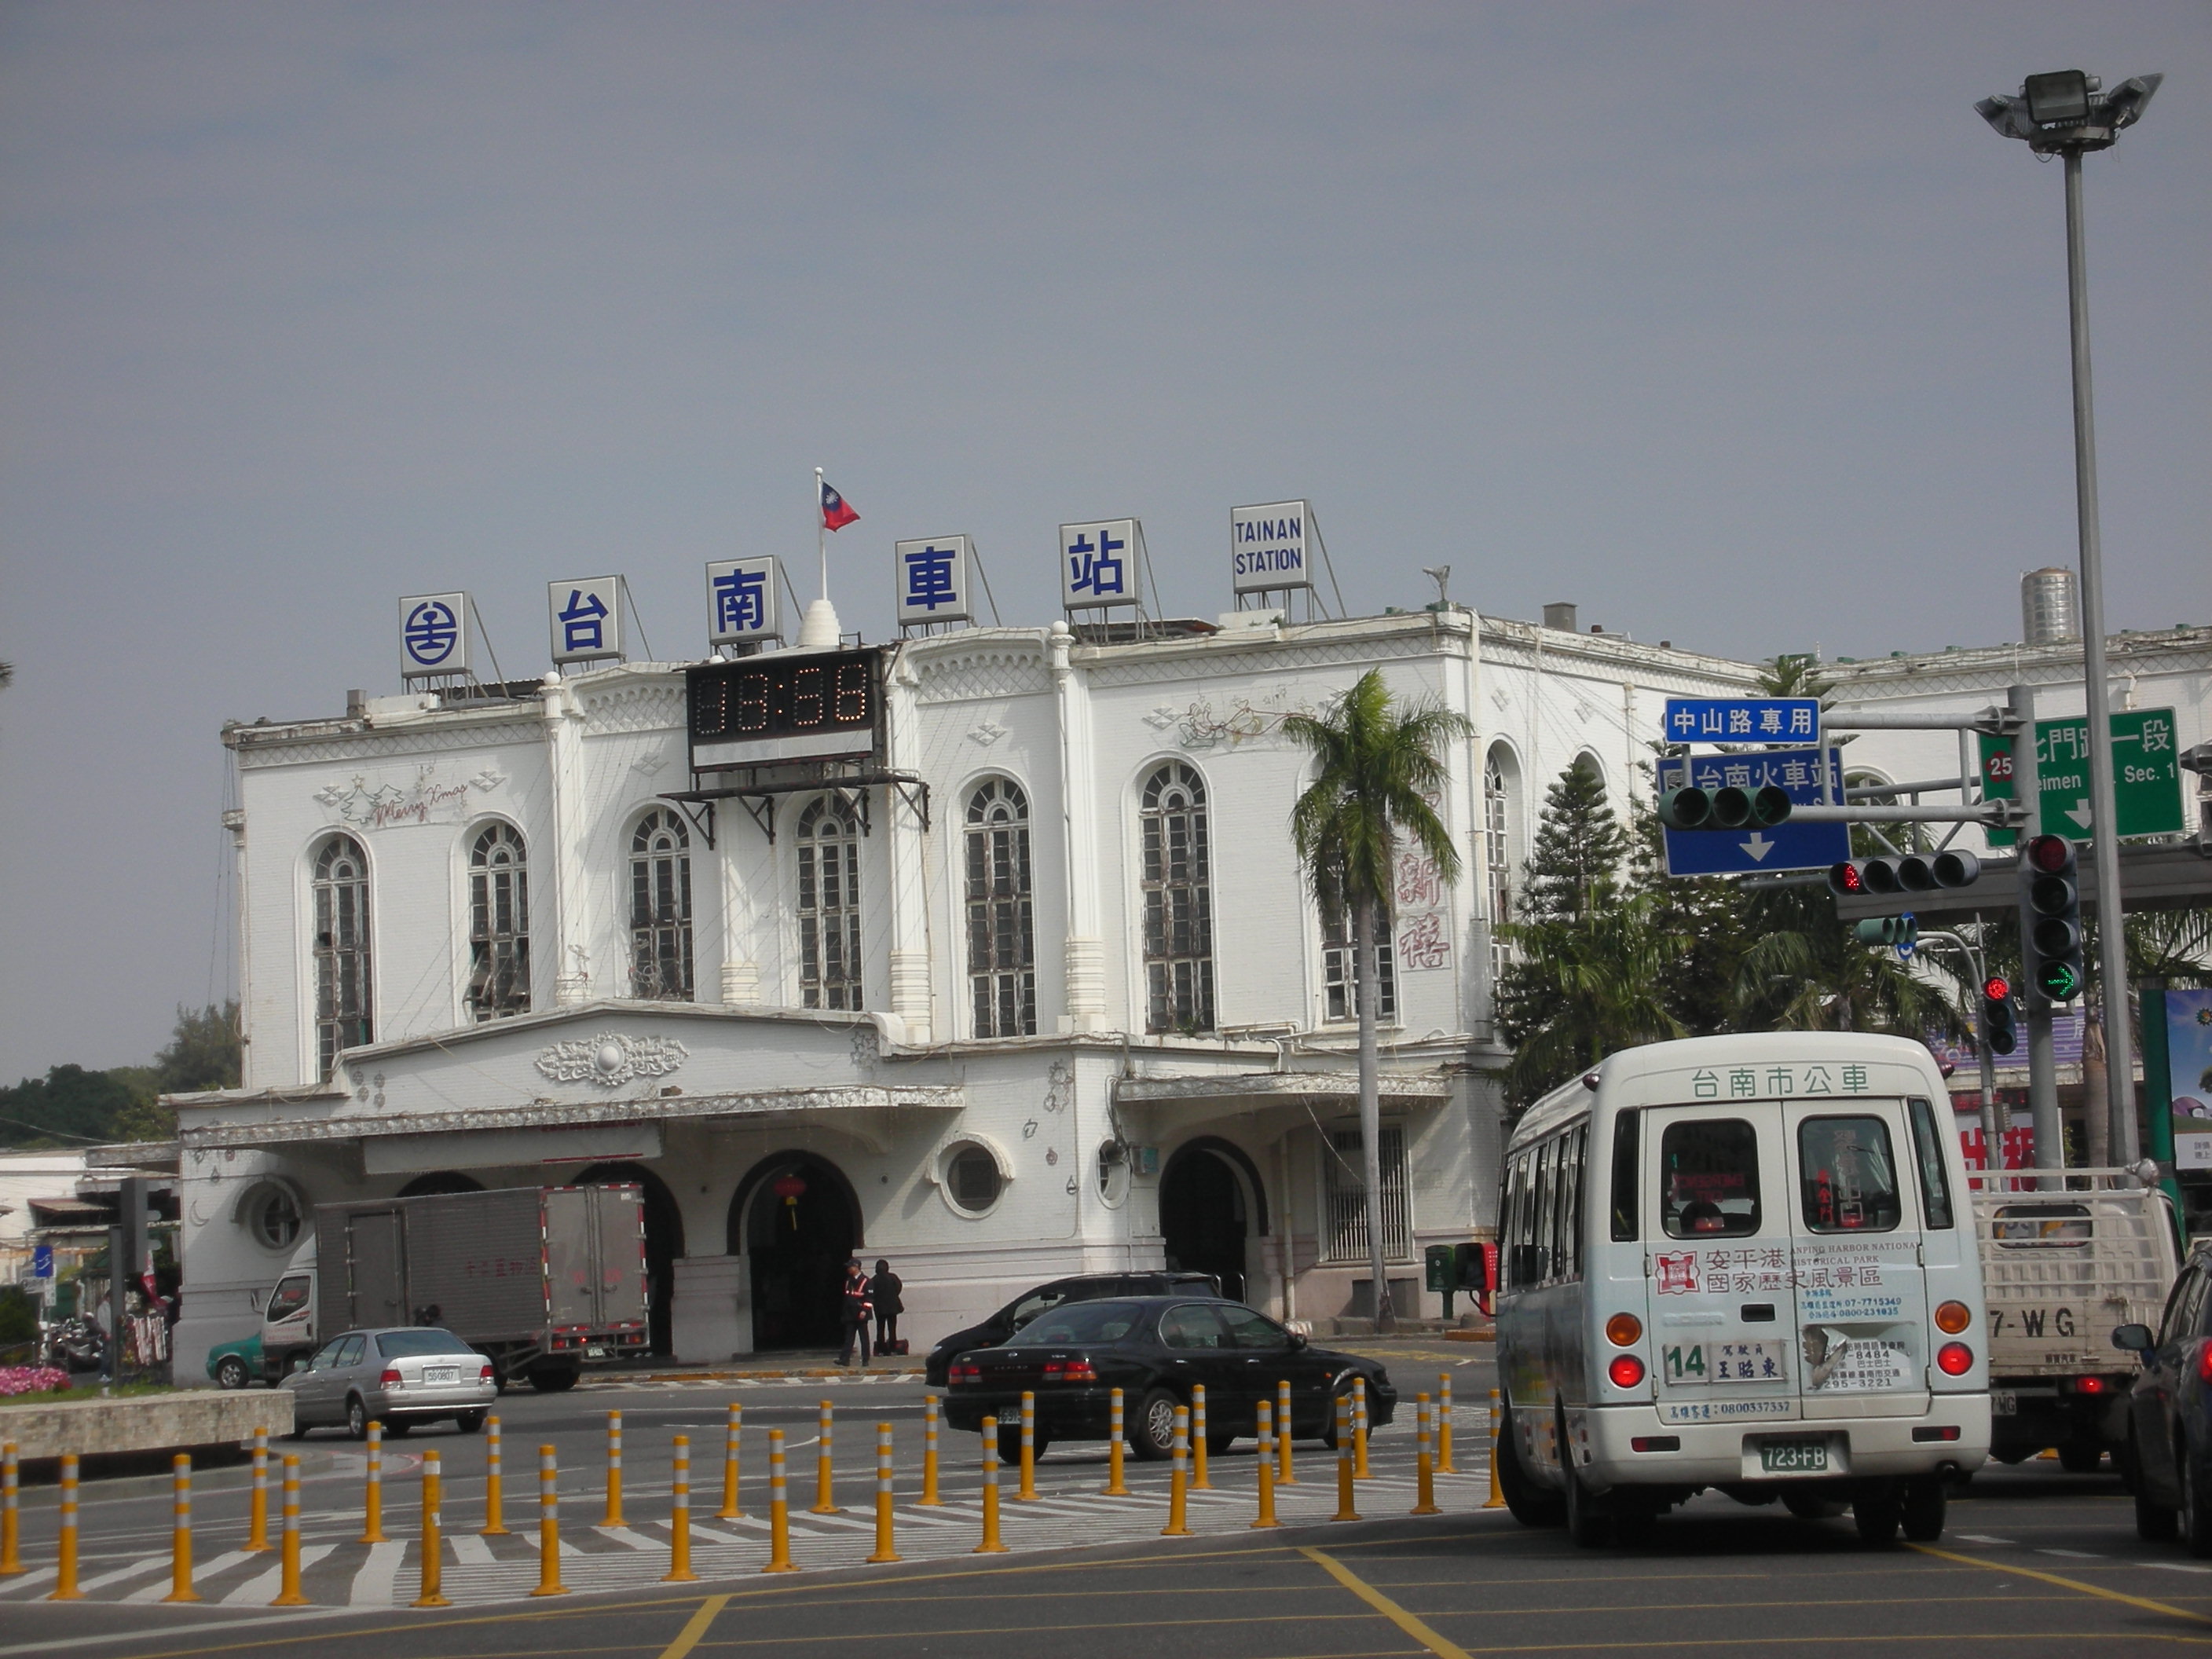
856	1312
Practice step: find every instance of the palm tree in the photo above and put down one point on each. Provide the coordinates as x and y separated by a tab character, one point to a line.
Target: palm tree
1376	762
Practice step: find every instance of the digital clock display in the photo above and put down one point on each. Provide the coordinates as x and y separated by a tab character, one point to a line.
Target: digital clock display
782	706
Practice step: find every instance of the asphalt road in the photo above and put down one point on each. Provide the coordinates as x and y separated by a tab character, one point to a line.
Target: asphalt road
2034	1562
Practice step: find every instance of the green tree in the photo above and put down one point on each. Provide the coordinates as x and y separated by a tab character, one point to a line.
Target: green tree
68	1107
1376	761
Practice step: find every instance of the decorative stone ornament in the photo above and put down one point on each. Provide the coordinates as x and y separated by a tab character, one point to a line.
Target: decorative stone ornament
611	1059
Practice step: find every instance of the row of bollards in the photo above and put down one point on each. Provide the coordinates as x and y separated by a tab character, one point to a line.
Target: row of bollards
1189	1471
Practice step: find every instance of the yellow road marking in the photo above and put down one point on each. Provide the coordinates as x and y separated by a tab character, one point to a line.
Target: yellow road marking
1383	1605
2144	1601
688	1637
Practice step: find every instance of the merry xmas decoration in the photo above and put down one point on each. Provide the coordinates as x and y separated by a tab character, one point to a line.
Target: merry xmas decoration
611	1059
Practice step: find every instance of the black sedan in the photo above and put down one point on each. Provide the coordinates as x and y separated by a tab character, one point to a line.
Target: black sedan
1156	1349
1083	1287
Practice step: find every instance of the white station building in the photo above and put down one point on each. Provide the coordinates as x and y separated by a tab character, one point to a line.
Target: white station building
1024	980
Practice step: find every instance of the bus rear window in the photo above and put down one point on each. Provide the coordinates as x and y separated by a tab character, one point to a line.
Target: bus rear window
2042	1226
1709	1178
1849	1175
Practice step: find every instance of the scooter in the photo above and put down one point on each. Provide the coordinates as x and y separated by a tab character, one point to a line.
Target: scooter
78	1345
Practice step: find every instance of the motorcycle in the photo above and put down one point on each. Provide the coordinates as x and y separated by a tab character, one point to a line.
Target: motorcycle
78	1345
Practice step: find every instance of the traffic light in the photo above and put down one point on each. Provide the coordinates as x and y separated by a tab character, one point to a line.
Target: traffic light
1731	808
1997	1025
1889	930
1914	873
2054	902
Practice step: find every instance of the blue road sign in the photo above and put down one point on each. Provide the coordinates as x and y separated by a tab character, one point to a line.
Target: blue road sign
1739	852
1743	720
42	1261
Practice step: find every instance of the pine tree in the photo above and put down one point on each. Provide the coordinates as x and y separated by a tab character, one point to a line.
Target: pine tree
1577	862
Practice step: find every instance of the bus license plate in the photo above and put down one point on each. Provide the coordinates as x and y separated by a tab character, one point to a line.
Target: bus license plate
2003	1403
1793	1456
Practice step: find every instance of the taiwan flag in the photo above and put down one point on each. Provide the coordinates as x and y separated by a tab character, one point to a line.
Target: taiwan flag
836	515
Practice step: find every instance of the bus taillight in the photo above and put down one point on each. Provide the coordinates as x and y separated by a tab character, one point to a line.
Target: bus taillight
1626	1370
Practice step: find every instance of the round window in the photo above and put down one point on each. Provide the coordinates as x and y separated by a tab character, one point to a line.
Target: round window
274	1217
974	1179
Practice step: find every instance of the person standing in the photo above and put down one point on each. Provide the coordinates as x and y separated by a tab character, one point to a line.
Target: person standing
883	1293
856	1312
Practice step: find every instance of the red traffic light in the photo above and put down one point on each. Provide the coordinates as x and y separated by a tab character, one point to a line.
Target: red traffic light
1996	988
2049	853
1845	878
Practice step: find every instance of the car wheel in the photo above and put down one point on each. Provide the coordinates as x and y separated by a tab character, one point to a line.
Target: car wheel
470	1422
1589	1523
356	1418
1532	1505
299	1429
1876	1511
2196	1523
1010	1445
1152	1437
2154	1522
1218	1444
230	1372
553	1379
2076	1457
1922	1511
1810	1504
1343	1392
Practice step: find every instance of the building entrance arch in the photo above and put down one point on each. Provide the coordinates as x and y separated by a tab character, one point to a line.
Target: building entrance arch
1212	1204
663	1244
796	1220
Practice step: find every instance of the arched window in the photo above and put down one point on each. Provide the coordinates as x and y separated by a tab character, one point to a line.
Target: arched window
1496	810
1001	931
343	1015
1340	967
828	906
1178	887
499	925
660	907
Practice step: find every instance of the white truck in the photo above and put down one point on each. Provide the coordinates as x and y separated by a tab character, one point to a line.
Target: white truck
2061	1269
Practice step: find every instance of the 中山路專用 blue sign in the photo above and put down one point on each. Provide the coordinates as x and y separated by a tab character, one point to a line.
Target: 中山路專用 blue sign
1743	720
1789	845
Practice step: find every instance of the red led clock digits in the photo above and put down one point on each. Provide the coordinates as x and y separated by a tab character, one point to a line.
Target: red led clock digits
752	704
852	700
810	701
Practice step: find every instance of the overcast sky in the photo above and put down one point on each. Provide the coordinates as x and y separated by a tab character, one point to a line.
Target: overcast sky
1732	322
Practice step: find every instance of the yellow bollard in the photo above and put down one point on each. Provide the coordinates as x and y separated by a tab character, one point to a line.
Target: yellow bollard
1360	1471
613	1517
1199	1444
371	1527
433	1548
1029	1491
1283	1477
1115	1488
929	1498
885	1551
1344	1508
679	1515
1178	1524
180	1536
1497	1500
990	1545
495	1524
549	1525
288	1589
1424	1484
11	1540
1267	1467
1444	1423
729	1509
825	1502
65	1588
779	1510
256	1528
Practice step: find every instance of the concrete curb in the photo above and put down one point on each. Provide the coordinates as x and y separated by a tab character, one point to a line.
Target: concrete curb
161	1422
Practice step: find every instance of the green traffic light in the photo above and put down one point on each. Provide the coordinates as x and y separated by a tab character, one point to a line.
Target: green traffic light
2059	980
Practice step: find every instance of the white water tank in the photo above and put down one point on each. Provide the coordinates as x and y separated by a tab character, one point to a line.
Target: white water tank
2049	607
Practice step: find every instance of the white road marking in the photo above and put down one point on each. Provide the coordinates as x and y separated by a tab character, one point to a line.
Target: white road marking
627	1538
471	1551
36	1575
1980	1537
2073	1555
374	1585
2174	1566
147	1564
263	1587
156	1590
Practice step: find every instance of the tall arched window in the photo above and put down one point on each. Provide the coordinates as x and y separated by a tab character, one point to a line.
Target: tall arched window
660	907
499	925
343	1015
1497	809
828	906
1178	887
1001	930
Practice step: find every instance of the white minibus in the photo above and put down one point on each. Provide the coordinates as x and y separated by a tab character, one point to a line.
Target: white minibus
1742	1263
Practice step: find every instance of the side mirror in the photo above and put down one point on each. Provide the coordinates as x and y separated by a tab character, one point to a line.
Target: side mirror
2135	1338
1296	1342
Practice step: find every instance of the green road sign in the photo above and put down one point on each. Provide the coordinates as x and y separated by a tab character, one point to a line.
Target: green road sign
2147	780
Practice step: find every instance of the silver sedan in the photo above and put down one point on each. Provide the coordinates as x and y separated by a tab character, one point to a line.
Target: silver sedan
402	1375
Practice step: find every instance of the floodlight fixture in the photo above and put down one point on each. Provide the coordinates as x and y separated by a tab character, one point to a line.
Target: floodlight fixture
2067	111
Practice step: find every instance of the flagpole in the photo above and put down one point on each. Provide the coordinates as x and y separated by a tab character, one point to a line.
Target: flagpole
821	535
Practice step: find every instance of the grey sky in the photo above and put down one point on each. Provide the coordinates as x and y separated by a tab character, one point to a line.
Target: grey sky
1731	322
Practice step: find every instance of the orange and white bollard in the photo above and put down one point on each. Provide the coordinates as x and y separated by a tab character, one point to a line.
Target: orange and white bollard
1496	1498
1178	1524
679	1515
257	1526
1283	1477
929	1499
495	1524
289	1593
613	1517
1424	1484
730	1510
372	1526
1444	1425
11	1537
826	1501
1266	1464
65	1588
1029	1491
433	1548
549	1525
991	1544
1360	1471
779	1509
180	1534
1200	1444
885	1549
1115	1488
1346	1509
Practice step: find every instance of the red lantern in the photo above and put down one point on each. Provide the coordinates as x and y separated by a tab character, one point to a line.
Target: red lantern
788	1187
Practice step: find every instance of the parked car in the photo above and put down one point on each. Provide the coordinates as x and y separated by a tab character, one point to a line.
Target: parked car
2169	1450
1156	1349
401	1376
1087	1287
235	1364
